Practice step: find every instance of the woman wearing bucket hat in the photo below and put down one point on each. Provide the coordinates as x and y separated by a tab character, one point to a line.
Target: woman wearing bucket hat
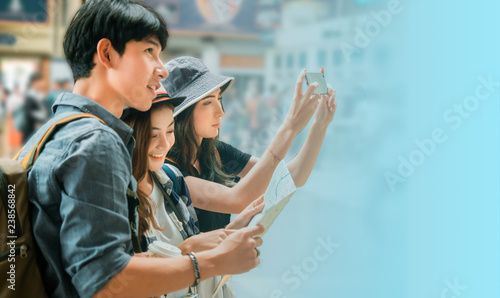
166	213
204	160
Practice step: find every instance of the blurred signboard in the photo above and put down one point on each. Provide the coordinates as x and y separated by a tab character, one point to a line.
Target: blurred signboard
34	11
218	17
7	39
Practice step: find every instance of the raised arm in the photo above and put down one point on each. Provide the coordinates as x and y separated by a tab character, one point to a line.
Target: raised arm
215	197
301	166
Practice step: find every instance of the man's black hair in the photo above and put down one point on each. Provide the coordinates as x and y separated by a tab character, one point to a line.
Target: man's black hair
120	21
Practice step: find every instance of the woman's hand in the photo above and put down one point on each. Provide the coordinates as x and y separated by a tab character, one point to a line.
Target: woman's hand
303	105
246	215
327	106
209	240
204	241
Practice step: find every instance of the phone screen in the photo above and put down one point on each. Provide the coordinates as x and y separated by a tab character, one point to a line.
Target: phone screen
312	77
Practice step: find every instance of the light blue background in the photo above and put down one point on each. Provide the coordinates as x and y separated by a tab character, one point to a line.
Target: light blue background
441	225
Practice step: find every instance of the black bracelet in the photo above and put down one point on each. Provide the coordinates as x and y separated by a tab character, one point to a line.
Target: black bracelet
196	269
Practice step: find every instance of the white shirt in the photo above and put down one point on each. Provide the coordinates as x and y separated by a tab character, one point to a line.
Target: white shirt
172	235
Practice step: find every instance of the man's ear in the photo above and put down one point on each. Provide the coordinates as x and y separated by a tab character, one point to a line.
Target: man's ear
106	53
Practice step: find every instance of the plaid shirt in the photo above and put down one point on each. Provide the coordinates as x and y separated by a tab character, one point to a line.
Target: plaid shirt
182	202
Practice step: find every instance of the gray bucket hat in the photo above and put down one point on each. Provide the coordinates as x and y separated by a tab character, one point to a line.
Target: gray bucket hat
189	77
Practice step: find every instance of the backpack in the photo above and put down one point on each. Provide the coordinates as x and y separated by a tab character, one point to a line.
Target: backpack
19	254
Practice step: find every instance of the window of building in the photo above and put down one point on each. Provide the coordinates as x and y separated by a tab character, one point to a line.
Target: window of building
337	57
303	60
289	60
322	58
277	61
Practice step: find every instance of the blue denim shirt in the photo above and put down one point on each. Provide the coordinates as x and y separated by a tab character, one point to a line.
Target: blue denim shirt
78	193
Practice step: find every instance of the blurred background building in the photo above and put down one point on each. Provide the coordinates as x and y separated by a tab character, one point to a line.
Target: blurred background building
263	44
31	34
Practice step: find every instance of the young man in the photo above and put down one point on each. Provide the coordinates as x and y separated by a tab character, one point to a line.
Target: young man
78	183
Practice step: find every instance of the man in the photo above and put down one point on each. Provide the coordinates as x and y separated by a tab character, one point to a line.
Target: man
78	183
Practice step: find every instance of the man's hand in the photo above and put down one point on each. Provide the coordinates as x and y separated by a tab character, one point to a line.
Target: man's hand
237	253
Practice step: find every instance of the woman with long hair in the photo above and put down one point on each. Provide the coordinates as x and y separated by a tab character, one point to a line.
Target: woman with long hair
166	214
211	166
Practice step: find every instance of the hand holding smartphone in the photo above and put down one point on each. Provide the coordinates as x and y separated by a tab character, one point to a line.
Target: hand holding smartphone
318	77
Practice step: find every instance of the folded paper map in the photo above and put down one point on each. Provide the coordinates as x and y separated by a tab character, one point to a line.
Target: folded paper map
278	193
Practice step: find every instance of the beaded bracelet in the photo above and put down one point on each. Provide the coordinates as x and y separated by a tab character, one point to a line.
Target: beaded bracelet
196	269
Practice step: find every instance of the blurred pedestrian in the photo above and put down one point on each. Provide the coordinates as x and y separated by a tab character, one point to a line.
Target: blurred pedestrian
15	103
58	87
35	109
3	121
3	105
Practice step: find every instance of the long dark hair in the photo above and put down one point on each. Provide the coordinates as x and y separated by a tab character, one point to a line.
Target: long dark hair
141	124
186	151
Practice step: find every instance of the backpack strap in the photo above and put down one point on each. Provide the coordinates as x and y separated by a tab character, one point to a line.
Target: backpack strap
173	173
29	159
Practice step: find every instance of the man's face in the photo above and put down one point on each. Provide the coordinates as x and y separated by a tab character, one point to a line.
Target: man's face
138	72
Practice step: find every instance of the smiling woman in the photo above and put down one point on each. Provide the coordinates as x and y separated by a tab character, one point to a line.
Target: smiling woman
162	136
166	213
154	133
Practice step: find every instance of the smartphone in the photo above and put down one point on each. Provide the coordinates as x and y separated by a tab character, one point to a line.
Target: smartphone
318	77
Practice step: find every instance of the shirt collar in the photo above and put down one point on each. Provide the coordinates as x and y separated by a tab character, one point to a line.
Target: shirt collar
68	101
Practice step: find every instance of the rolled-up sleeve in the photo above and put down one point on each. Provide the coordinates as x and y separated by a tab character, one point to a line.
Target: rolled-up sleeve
95	233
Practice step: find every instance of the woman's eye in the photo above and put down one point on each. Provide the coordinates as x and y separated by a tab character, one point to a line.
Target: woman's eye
171	131
154	136
207	103
150	51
